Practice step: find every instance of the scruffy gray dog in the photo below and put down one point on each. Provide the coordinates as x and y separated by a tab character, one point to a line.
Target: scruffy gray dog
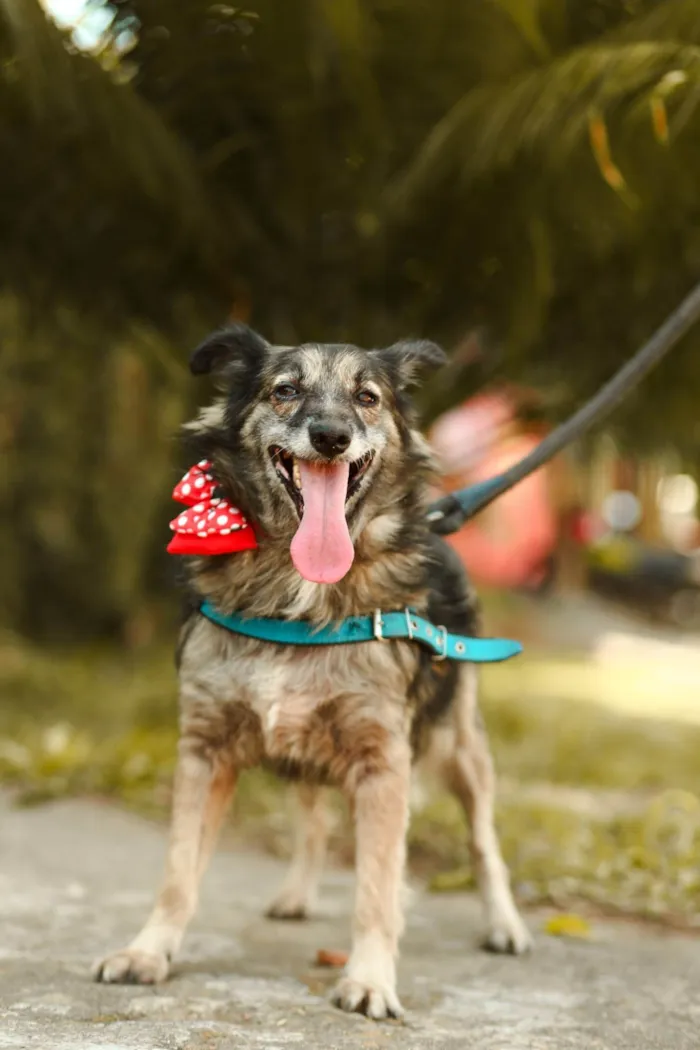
317	445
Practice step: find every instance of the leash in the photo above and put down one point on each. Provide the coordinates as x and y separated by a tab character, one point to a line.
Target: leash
381	627
449	513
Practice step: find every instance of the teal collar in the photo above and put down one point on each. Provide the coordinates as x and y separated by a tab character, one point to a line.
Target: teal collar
382	627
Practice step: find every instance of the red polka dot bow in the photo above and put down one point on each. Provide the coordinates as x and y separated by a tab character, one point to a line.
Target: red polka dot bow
210	525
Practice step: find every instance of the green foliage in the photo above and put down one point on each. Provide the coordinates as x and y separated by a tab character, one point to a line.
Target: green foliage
342	169
638	863
336	159
88	463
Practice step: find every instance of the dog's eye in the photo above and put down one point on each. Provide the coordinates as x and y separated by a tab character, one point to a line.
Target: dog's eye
366	397
285	392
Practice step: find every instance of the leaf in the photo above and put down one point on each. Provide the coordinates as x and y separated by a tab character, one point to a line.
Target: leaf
659	119
671	20
331	958
525	15
568	925
546	112
598	133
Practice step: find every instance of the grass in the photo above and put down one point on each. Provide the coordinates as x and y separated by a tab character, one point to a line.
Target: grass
596	805
642	863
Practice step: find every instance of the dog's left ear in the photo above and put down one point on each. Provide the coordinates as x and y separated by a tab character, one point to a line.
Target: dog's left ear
410	358
237	343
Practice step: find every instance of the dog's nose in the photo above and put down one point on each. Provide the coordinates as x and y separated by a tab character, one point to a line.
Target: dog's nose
330	438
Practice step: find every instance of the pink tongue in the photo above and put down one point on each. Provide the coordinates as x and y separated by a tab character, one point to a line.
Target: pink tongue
322	550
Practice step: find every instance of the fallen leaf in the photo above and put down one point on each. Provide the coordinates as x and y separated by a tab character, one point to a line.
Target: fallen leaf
337	960
567	926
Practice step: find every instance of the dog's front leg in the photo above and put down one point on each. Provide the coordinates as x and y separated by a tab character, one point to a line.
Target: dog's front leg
203	788
381	805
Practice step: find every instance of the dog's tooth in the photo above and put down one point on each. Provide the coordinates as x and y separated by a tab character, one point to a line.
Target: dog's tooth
296	474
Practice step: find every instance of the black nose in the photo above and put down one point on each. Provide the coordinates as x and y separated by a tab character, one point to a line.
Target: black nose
330	438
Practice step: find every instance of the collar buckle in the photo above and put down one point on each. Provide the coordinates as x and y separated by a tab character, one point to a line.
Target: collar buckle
377	625
441	641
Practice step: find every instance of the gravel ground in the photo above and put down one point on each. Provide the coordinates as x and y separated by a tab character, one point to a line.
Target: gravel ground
77	878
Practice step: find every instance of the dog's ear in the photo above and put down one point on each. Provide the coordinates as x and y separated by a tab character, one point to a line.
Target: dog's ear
237	343
410	358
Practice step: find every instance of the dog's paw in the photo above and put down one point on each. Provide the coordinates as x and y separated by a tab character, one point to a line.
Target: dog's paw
132	967
291	906
379	1002
508	936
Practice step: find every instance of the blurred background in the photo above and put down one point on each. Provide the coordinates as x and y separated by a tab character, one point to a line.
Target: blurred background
517	179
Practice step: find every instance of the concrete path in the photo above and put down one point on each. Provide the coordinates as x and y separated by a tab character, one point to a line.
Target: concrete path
76	879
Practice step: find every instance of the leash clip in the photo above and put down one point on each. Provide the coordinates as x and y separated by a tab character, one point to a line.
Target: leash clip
377	626
441	640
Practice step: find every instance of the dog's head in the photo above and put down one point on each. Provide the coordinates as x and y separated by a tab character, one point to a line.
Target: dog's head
314	440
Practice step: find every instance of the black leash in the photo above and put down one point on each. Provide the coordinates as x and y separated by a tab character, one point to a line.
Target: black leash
448	514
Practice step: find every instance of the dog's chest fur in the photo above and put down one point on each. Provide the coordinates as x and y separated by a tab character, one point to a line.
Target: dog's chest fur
315	713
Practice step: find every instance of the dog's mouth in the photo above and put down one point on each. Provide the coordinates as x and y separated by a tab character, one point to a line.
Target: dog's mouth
322	550
289	471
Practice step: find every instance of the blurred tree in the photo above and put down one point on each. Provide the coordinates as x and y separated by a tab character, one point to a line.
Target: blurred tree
334	169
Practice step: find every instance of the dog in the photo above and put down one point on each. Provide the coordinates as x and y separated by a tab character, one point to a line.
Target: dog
318	445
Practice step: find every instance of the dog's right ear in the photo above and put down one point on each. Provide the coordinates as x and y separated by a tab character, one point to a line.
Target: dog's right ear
236	343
